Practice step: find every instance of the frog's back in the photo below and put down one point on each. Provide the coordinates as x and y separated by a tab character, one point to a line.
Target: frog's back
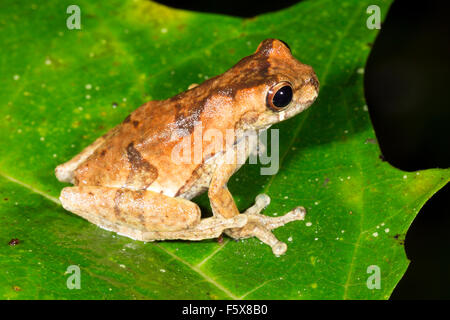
133	153
137	154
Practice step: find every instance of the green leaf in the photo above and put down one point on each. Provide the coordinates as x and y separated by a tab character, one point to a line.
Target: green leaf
60	89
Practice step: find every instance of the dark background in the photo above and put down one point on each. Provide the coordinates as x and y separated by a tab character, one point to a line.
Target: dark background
406	90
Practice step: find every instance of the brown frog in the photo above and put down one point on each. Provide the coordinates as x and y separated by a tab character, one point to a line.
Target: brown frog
128	180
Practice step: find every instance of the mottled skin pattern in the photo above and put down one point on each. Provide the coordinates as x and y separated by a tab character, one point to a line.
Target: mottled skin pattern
127	181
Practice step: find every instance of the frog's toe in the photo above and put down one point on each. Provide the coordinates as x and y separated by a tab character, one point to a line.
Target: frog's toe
270	223
298	213
266	236
279	248
255	229
260	226
261	202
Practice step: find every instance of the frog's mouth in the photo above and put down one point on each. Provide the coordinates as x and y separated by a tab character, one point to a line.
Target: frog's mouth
298	108
290	112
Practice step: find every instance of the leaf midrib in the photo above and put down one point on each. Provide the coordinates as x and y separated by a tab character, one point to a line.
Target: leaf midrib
31	188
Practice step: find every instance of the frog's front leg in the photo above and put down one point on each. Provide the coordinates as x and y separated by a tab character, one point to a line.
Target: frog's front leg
258	225
144	215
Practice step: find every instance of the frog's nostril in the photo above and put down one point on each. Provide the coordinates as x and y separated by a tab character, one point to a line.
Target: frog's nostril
309	91
314	82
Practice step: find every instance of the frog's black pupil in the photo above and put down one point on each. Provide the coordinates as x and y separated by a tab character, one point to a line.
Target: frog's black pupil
283	97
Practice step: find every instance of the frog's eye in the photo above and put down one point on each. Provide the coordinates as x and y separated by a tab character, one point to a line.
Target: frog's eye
287	46
279	96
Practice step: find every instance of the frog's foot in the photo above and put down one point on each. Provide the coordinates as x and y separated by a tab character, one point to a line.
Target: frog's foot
260	226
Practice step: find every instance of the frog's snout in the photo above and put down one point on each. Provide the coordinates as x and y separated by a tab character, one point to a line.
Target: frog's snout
309	90
314	82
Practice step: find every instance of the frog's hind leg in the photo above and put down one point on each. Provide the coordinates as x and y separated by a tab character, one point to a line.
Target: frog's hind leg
65	172
144	215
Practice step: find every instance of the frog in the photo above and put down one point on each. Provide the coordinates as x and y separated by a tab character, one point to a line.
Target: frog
127	181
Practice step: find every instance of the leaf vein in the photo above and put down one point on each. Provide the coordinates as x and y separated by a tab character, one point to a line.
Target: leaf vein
31	188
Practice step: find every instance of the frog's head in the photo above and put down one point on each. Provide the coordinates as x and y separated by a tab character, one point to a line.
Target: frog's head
277	86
